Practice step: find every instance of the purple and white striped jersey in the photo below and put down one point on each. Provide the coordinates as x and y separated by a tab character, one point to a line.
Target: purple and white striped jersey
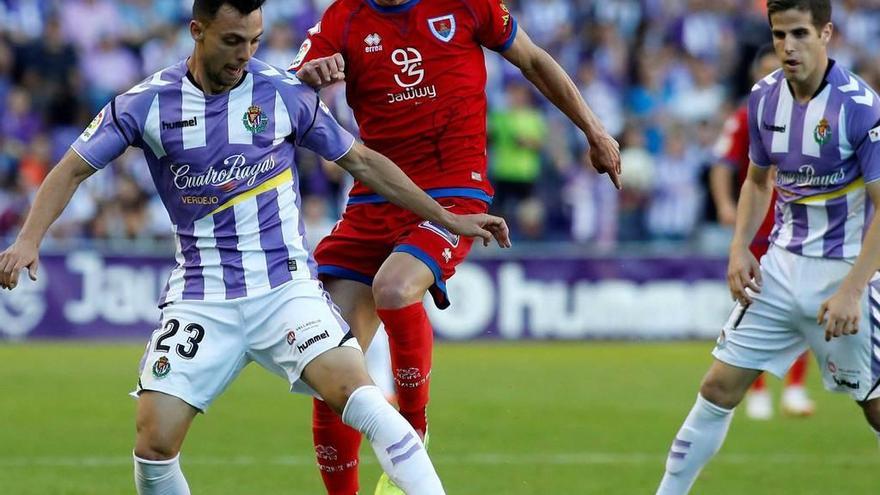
224	167
825	152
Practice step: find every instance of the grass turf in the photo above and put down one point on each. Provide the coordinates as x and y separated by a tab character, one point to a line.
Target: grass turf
568	418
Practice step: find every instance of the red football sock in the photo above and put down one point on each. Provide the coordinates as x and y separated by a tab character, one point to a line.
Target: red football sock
798	372
411	339
336	447
760	384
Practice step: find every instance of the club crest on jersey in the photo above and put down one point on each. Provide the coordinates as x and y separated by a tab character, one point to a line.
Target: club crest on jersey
822	132
161	367
255	120
451	238
443	27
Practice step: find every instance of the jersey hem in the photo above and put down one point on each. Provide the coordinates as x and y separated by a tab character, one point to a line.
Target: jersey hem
444	192
84	158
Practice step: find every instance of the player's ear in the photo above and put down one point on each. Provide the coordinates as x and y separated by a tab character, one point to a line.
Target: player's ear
826	32
196	30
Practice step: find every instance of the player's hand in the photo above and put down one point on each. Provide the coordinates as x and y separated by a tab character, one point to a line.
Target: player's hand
322	72
18	256
481	225
743	272
840	313
605	157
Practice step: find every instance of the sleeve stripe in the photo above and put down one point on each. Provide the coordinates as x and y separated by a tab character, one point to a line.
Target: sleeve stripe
510	39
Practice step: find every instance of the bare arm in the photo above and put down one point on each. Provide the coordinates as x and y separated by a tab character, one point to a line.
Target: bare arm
52	197
754	200
384	177
552	81
721	187
840	314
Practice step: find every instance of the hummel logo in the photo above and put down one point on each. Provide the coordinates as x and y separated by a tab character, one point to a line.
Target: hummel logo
373	42
180	123
774	128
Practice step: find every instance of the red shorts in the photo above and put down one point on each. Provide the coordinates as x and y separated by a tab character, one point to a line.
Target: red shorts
369	233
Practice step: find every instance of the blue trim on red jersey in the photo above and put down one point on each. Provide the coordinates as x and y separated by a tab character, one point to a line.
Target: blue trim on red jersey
507	44
345	273
445	192
394	9
442	299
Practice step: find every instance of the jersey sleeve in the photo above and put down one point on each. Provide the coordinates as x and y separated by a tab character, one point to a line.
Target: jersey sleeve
757	151
323	39
313	126
113	130
496	27
865	132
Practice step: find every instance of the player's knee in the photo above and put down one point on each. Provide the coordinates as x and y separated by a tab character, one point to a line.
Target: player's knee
719	392
396	292
342	374
152	445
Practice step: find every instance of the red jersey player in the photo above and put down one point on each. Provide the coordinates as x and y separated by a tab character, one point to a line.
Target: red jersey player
415	78
733	150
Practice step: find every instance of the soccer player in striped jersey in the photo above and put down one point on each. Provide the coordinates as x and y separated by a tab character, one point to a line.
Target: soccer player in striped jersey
219	131
732	168
818	125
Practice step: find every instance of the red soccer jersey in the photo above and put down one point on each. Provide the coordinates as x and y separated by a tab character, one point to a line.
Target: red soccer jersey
733	149
415	79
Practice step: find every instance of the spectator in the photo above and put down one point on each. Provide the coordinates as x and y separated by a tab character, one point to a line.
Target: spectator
517	135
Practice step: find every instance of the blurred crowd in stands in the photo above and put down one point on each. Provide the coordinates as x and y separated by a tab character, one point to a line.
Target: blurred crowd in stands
661	74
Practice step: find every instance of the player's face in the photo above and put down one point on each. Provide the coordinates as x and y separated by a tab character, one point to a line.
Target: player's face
800	46
227	43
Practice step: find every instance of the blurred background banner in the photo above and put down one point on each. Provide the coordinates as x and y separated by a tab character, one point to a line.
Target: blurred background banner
664	77
85	294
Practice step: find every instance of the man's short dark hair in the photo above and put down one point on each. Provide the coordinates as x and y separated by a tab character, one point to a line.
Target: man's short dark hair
206	10
820	10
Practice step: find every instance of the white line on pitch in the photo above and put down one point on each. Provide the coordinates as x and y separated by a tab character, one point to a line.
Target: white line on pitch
485	459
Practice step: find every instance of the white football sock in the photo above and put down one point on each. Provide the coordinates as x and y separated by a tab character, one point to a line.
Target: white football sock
699	438
159	477
396	444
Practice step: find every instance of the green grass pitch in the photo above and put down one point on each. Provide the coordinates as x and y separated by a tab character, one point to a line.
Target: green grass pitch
564	418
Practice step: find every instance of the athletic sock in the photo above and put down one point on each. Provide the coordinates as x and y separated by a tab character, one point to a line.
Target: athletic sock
798	371
396	444
159	477
336	447
699	438
411	339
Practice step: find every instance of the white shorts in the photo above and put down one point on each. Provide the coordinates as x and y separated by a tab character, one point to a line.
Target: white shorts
780	324
203	345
